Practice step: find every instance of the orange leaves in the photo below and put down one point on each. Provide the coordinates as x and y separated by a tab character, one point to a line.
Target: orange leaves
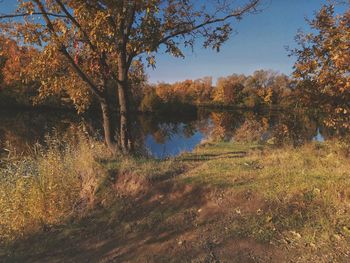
188	91
267	96
229	89
323	66
16	60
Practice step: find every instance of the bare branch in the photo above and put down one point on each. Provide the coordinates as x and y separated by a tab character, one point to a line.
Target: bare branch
7	16
210	21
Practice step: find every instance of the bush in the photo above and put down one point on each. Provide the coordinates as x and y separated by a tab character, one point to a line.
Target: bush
55	182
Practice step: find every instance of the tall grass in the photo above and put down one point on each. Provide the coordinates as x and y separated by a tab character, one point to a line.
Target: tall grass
54	182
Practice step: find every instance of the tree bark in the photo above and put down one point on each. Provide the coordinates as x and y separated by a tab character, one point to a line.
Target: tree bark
126	141
124	105
107	126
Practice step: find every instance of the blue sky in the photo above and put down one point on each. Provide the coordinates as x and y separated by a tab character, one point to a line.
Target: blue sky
259	44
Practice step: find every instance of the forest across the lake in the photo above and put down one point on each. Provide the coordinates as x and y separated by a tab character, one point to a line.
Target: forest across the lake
97	164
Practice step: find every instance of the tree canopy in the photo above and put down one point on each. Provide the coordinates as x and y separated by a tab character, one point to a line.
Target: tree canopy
323	66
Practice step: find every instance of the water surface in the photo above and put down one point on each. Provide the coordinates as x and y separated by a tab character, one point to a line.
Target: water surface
167	136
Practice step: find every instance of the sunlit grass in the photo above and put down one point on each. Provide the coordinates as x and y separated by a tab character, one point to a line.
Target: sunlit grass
306	190
51	184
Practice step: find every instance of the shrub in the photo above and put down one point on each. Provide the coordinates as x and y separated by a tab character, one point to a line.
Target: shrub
53	183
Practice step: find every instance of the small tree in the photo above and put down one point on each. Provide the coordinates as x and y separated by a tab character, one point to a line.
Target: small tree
100	40
323	66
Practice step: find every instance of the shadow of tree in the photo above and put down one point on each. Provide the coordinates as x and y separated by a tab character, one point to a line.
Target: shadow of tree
206	157
149	220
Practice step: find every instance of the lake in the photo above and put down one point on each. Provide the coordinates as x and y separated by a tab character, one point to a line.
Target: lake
168	136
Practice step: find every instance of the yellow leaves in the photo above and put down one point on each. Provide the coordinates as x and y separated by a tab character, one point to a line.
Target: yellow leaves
347	84
323	66
340	110
219	94
268	96
336	57
301	67
57	78
151	61
27	7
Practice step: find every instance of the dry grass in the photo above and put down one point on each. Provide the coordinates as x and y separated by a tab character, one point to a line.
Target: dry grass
48	186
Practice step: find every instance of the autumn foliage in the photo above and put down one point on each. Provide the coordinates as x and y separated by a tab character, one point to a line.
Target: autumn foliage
14	61
323	66
263	88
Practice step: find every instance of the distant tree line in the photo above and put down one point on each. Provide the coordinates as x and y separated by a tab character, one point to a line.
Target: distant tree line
264	88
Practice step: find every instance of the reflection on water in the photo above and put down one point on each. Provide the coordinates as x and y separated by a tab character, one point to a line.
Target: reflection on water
163	137
19	131
170	139
174	144
319	136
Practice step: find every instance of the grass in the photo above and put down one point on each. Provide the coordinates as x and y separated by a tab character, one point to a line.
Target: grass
279	204
305	191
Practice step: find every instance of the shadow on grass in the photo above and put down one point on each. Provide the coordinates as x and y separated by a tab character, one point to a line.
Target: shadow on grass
132	226
206	157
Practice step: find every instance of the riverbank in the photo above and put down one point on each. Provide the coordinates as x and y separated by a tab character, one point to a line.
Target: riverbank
224	202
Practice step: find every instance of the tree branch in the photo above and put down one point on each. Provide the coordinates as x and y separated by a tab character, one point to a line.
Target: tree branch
238	13
7	16
64	51
76	23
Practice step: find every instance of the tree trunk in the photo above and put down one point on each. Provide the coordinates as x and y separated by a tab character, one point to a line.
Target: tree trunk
124	104
107	126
